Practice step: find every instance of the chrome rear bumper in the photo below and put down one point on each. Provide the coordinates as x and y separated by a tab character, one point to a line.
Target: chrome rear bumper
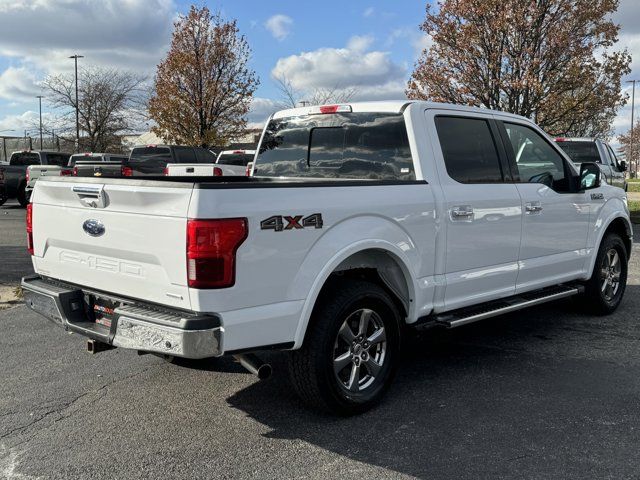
135	326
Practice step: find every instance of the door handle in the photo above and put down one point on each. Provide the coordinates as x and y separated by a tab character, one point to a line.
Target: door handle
533	207
464	212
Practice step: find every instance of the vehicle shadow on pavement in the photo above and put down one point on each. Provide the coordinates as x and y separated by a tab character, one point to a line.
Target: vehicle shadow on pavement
547	393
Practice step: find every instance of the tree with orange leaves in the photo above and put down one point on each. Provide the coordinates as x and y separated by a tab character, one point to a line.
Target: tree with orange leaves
203	88
548	60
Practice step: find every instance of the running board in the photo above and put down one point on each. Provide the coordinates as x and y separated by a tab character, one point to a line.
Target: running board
464	316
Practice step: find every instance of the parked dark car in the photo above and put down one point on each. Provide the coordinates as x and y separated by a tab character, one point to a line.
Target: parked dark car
15	171
145	160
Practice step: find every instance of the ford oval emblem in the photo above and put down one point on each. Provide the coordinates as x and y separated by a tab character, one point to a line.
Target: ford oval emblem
95	228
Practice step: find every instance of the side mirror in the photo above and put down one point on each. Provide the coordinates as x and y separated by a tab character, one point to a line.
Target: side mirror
590	176
623	165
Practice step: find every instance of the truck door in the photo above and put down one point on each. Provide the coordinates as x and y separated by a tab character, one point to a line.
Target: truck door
482	208
555	221
617	173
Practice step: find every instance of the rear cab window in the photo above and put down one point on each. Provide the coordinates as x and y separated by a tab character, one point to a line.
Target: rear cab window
580	151
239	159
339	145
24	159
469	149
59	159
150	157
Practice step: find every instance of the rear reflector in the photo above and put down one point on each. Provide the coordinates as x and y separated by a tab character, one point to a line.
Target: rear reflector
126	171
249	167
211	251
561	139
217	172
330	109
27	175
75	171
66	172
166	171
29	223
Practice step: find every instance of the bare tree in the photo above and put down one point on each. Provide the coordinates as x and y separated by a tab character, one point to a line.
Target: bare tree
109	103
291	97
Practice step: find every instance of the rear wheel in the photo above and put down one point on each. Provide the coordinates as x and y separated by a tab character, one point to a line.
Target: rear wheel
22	197
605	288
351	351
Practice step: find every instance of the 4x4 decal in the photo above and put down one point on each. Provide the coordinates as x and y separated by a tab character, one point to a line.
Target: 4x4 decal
279	223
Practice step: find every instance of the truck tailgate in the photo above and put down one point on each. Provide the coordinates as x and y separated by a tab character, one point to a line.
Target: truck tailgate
122	236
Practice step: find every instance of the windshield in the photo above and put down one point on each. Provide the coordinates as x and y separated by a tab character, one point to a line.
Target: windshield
344	145
24	158
581	152
239	159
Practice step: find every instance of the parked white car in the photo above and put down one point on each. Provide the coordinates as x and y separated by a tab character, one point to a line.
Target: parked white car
362	223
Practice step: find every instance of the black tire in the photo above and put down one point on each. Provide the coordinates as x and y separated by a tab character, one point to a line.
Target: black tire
2	200
600	298
353	303
22	196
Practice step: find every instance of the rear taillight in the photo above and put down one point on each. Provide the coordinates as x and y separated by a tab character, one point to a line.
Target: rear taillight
65	172
211	251
248	170
217	172
28	175
75	171
126	171
330	109
166	171
30	228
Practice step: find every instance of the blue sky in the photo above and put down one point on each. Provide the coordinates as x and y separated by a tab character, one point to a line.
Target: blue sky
366	45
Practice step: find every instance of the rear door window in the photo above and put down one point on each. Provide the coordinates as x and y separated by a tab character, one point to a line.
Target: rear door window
24	159
342	145
469	149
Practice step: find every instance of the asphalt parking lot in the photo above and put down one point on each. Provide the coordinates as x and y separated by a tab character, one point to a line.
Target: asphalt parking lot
545	393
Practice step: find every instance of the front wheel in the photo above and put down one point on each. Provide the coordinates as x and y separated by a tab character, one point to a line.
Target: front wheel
605	288
351	350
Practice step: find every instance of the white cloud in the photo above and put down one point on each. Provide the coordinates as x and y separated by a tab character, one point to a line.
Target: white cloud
120	33
260	110
368	12
360	43
279	25
351	66
18	83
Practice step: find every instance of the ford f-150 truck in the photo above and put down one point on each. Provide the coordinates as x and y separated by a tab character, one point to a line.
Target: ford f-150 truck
361	223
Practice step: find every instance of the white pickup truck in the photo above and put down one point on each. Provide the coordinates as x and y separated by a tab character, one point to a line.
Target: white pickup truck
361	223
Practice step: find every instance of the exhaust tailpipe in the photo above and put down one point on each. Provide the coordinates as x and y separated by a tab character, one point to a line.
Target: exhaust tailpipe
254	365
94	346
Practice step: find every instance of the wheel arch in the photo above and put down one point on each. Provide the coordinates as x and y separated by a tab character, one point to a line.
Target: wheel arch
617	223
366	258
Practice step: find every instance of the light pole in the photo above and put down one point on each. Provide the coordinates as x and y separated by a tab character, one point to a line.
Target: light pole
75	58
39	97
631	156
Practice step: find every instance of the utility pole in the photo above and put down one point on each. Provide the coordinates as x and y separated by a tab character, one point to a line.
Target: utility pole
75	58
39	97
633	163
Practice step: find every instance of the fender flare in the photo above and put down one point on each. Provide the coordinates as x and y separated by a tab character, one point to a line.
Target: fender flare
614	215
312	283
